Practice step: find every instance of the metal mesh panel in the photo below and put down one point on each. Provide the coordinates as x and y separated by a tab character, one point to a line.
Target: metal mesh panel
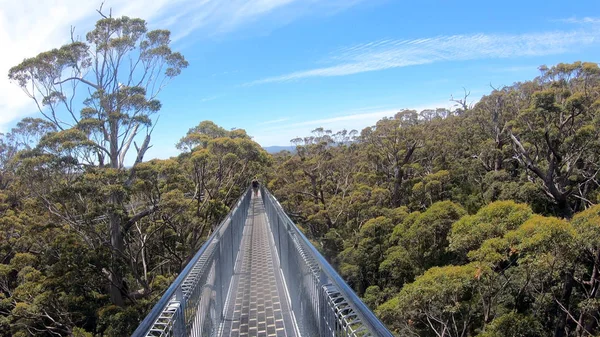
322	303
193	305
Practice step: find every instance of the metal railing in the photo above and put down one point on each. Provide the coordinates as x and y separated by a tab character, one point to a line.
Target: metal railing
321	302
193	305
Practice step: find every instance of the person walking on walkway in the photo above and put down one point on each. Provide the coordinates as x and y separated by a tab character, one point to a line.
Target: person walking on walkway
255	186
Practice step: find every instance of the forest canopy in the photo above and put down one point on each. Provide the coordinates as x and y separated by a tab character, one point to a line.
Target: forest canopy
477	221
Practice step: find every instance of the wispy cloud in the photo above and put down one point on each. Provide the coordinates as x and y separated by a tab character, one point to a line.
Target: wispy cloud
373	108
275	121
207	99
339	120
29	27
215	17
355	119
584	20
225	73
386	54
514	69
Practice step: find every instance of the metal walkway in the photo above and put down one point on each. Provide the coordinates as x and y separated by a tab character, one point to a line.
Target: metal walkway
258	304
258	275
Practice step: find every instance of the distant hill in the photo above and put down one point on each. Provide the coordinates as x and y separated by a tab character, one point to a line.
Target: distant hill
275	149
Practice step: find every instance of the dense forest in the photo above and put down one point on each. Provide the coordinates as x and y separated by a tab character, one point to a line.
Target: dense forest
476	221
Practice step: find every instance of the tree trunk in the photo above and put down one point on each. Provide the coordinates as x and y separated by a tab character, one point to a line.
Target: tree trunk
116	238
548	176
398	175
591	323
498	155
117	244
561	319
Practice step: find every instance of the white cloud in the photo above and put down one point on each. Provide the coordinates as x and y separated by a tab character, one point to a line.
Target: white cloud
28	27
515	69
208	99
584	20
350	120
386	54
274	121
340	121
25	30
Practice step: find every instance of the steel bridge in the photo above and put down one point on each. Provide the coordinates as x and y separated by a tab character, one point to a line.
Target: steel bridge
258	275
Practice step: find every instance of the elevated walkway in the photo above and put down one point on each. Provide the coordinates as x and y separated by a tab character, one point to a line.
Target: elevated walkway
258	304
258	275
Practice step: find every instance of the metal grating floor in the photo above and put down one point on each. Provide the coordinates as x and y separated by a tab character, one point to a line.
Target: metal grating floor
257	305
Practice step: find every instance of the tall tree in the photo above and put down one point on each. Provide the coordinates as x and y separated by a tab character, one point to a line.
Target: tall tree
556	137
392	146
119	68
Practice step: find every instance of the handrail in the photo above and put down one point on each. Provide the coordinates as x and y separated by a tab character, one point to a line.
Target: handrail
175	292
321	303
353	316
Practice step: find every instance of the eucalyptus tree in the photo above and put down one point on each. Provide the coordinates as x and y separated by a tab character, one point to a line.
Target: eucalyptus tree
100	93
556	136
391	146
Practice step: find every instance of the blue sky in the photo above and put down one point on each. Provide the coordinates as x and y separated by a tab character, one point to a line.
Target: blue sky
280	68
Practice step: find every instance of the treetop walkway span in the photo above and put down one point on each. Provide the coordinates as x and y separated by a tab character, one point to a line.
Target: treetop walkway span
258	275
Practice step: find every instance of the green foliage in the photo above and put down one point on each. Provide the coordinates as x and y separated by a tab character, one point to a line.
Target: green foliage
426	237
556	136
442	299
491	221
397	267
114	320
513	325
480	200
116	74
366	253
477	221
587	225
53	223
79	332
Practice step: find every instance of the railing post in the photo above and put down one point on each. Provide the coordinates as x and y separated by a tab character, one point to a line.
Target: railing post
180	313
232	227
218	279
321	303
278	224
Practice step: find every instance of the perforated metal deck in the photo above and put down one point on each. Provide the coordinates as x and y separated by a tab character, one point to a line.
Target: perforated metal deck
258	304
